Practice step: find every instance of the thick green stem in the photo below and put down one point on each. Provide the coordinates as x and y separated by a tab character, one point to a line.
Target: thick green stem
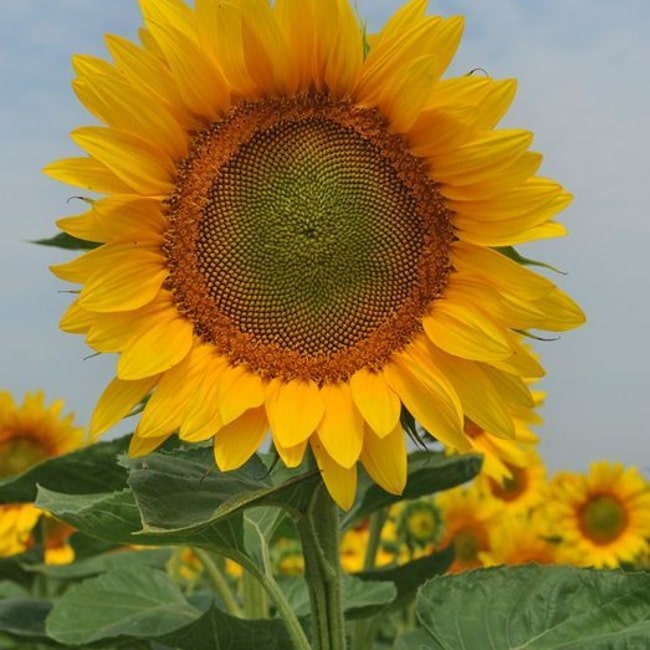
255	604
219	582
319	534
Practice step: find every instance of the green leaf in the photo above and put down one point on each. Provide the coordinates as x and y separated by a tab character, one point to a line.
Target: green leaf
24	617
513	254
408	577
121	560
537	608
9	589
85	471
416	640
362	599
216	630
63	240
428	472
142	604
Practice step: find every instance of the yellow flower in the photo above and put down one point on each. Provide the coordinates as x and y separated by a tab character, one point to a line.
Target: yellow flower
354	543
605	515
297	236
29	434
521	540
420	523
469	516
524	489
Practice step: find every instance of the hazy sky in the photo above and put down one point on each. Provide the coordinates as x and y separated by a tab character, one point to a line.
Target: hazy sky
584	90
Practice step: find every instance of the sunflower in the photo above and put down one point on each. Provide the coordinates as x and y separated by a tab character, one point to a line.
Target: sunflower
29	434
296	235
524	488
522	540
605	515
469	517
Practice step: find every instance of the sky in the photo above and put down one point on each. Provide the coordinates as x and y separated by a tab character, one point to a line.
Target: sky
582	67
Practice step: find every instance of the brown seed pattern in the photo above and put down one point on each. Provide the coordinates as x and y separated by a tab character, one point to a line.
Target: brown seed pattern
304	239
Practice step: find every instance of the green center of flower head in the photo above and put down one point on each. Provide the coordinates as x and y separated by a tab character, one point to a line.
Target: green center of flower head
466	546
603	519
18	454
305	239
511	488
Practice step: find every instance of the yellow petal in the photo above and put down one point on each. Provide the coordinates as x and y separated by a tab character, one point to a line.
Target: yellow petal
294	410
341	429
143	70
506	275
291	456
143	167
76	320
89	173
134	281
104	257
117	400
482	158
561	312
439	130
142	446
480	400
376	402
341	482
165	344
345	56
165	410
520	169
202	416
429	397
241	390
201	84
495	103
122	106
385	460
466	331
237	441
522	199
125	217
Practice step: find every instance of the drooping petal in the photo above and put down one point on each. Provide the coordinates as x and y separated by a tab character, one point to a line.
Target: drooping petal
385	459
117	400
341	429
291	456
376	402
238	440
294	410
341	482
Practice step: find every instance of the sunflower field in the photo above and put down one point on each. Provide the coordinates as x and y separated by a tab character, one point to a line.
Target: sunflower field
299	243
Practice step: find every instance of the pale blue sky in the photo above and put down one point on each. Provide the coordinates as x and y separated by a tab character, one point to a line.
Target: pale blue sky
583	77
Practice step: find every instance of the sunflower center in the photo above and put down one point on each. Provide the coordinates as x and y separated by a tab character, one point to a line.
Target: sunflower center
19	454
510	489
603	519
304	239
467	544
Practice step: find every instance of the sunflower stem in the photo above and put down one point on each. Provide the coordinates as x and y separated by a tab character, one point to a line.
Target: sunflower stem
219	582
375	525
319	535
255	602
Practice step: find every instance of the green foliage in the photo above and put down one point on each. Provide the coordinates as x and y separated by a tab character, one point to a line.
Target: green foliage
428	472
141	603
68	242
114	597
537	608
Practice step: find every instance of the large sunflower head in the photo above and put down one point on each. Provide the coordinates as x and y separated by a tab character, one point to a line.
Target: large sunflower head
605	515
29	434
297	234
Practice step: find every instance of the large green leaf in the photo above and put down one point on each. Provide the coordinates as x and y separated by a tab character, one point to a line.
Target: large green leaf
361	599
85	471
408	577
120	560
63	240
537	608
24	617
216	630
142	604
415	640
428	472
